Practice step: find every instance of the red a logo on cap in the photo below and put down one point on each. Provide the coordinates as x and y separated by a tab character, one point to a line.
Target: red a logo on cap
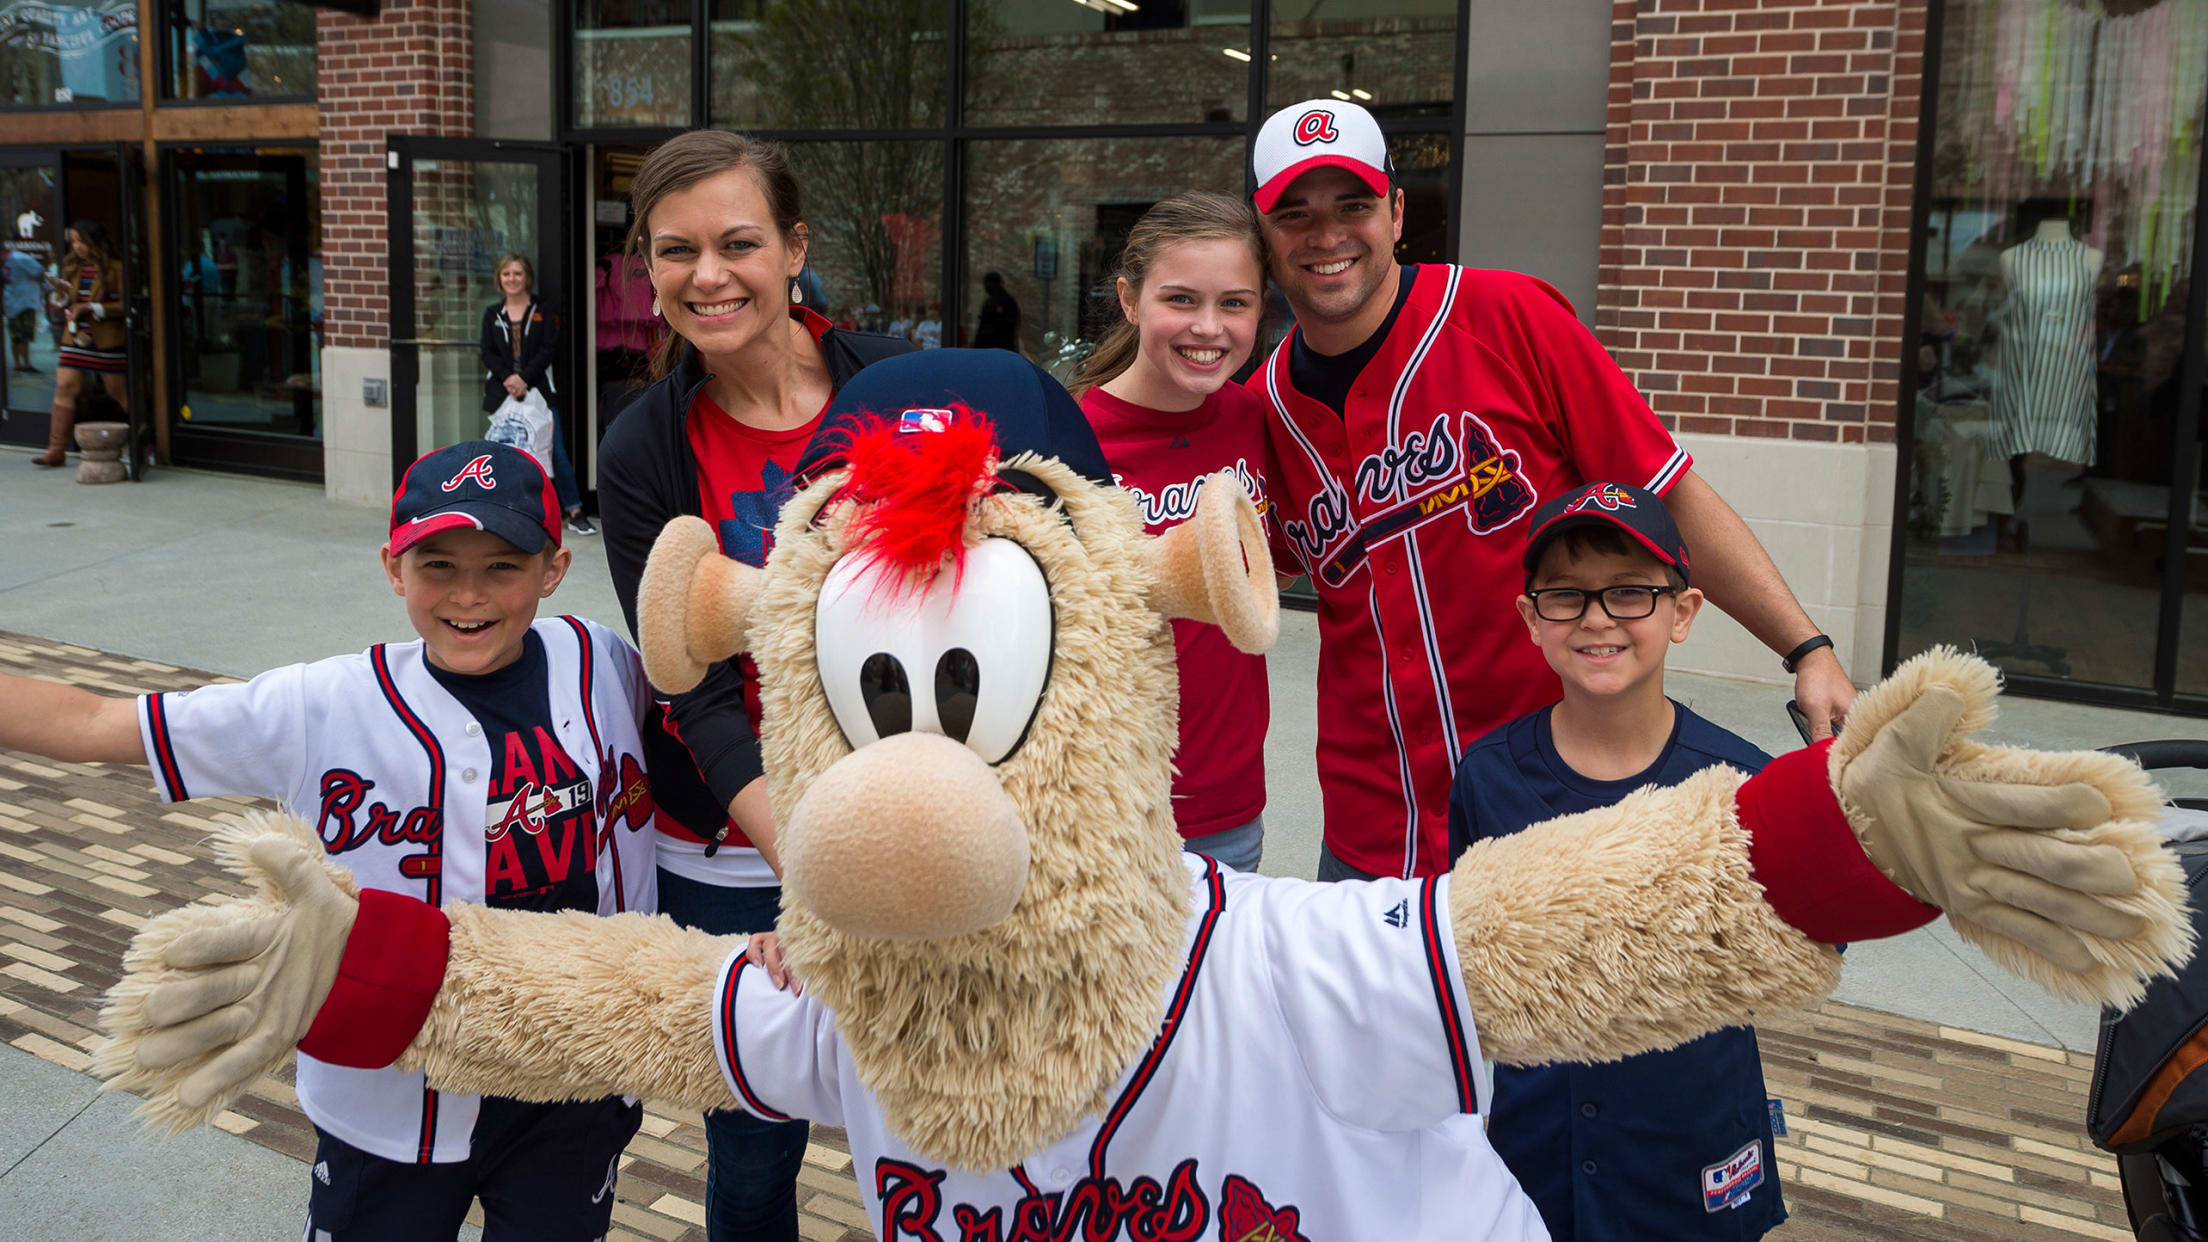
479	470
1317	125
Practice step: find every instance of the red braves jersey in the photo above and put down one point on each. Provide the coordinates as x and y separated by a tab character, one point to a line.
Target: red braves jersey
1162	458
1408	511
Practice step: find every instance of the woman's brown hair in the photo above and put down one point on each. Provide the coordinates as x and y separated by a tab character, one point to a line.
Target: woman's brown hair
685	160
1198	215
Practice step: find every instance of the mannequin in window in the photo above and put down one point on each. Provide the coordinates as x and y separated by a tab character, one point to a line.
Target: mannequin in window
2046	399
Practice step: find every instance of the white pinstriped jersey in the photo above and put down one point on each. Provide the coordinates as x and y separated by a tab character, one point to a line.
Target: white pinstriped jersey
391	771
1316	1076
1408	511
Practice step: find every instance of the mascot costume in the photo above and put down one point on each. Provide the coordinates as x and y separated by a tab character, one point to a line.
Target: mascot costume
1035	1015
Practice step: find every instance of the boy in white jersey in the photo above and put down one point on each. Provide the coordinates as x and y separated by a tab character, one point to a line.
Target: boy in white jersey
495	760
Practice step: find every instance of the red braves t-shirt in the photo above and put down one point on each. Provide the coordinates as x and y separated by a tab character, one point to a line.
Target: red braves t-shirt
1161	458
744	478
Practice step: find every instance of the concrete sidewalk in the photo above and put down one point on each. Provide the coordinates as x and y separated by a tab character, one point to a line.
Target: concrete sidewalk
235	575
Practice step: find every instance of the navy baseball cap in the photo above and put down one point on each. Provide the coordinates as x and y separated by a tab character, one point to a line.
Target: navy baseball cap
1031	411
1638	512
476	485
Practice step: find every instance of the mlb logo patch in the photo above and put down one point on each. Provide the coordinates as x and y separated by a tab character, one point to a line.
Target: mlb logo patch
1729	1184
924	420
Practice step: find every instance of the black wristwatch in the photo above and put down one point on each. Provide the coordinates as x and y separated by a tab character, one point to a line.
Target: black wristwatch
1797	655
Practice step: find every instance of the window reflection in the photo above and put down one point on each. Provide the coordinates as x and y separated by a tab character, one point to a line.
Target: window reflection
69	52
2057	260
875	212
1058	63
248	259
1396	57
241	49
827	64
1047	218
632	62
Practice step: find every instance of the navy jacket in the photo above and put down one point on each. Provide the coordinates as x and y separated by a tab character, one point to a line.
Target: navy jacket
647	477
1673	1144
540	348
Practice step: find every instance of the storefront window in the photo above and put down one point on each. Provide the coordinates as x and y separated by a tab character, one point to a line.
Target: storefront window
28	207
248	246
875	212
2057	260
513	69
827	64
632	63
241	49
1396	57
1045	221
1076	64
69	52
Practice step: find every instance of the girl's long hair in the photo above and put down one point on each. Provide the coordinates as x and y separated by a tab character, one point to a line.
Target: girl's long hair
95	240
682	162
1198	215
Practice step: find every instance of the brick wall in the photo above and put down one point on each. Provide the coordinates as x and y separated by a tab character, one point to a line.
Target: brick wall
408	71
1757	178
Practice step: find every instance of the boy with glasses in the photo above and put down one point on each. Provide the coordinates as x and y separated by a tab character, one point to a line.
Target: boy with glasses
1673	1144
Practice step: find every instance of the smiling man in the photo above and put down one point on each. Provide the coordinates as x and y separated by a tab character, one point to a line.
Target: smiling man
1419	413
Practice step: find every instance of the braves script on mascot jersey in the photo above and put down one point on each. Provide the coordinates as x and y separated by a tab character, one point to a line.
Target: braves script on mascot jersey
1408	511
1258	1114
392	773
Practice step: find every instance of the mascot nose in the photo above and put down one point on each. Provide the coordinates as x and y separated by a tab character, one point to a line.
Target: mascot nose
908	838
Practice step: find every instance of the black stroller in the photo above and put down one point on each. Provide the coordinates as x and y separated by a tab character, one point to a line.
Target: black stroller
2149	1101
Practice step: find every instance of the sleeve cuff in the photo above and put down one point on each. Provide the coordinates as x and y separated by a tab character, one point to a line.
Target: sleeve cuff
393	965
1814	872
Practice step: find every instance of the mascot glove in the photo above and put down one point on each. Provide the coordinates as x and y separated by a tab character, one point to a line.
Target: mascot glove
2042	859
99	311
213	997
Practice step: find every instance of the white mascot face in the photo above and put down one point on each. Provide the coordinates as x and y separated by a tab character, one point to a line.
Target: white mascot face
966	658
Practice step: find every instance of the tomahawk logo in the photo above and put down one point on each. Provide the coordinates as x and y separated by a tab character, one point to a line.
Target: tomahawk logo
1317	125
26	225
479	470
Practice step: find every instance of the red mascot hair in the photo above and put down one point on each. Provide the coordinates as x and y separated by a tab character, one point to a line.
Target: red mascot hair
915	490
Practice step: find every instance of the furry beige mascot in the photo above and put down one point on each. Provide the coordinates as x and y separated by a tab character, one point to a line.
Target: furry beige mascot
1036	1016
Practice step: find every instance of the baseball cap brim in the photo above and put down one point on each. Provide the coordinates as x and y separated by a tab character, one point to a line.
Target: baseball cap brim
1540	540
508	524
1270	192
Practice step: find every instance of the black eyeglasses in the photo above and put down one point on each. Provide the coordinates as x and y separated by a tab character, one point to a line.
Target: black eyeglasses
1623	603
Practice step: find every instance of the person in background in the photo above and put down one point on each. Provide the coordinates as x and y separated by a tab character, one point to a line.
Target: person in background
521	344
24	292
93	341
1159	393
998	325
929	333
740	384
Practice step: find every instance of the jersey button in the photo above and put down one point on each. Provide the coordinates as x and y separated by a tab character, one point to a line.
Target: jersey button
474	729
1394	569
1587	1167
1588	1110
467	774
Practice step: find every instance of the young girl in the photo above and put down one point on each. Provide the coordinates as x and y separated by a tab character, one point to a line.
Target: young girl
1159	391
92	343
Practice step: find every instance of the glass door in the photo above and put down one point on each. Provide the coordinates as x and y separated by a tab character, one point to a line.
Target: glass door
457	206
31	213
2050	519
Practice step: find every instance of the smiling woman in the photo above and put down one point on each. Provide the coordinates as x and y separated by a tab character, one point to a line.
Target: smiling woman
739	387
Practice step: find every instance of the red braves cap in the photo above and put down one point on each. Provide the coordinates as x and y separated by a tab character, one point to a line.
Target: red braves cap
1318	133
1638	512
477	485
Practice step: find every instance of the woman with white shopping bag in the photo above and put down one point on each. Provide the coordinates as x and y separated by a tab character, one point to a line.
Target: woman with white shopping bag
521	342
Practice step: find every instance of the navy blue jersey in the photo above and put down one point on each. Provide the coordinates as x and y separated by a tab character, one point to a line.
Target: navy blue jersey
1673	1144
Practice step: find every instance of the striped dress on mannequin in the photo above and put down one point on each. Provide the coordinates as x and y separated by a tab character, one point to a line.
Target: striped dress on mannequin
2045	400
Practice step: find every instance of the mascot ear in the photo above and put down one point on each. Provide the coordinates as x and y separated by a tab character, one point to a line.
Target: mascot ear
693	607
1216	568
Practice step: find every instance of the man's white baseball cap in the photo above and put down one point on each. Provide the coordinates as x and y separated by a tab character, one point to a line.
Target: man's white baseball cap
1318	133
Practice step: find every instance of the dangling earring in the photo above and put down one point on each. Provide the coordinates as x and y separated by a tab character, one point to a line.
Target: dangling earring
797	292
655	306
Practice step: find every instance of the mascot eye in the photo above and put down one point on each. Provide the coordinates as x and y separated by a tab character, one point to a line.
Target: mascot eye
988	640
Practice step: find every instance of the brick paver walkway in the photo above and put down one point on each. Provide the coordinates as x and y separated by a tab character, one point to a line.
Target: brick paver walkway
1900	1129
